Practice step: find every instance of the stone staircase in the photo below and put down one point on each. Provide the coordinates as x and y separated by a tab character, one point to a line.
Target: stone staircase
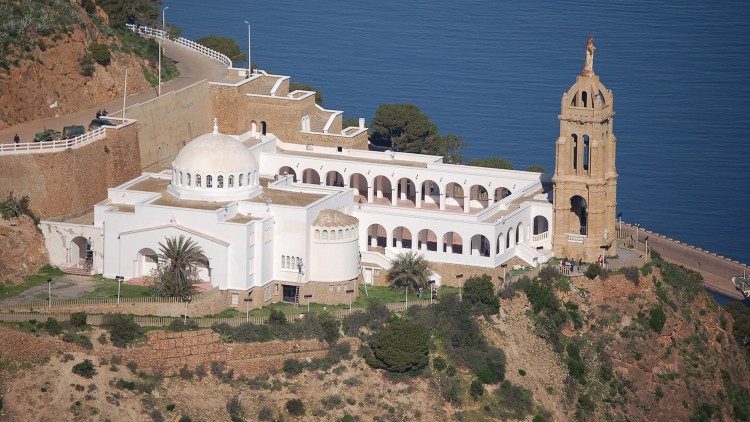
77	271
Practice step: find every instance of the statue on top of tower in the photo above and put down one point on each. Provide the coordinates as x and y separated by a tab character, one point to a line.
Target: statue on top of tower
588	64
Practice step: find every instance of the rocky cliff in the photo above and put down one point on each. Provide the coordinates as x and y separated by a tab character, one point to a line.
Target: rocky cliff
44	74
22	249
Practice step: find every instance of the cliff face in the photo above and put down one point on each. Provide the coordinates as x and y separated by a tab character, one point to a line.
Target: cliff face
47	81
630	366
22	249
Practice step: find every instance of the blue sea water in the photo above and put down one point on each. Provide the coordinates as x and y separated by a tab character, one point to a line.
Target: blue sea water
494	71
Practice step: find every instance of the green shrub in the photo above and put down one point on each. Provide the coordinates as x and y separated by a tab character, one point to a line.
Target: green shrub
234	407
439	363
574	363
631	274
549	274
277	317
100	53
86	65
89	6
293	367
476	389
511	402
185	418
265	414
295	407
185	373
593	271
170	407
78	319
657	318
331	327
480	293
219	370
401	346
224	45
452	390
85	369
647	269
332	401
51	326
183	325
122	329
585	403
493	367
14	207
79	339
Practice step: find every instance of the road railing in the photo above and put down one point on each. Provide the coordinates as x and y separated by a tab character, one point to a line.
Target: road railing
160	33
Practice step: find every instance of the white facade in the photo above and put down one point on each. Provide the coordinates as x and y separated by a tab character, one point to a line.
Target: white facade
263	210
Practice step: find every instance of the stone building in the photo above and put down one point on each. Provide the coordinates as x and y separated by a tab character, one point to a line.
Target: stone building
287	204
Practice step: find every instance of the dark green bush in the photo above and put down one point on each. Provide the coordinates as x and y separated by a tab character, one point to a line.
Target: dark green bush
295	407
647	269
401	346
265	414
480	293
331	327
593	271
234	407
78	319
85	369
100	53
452	390
549	274
657	318
631	274
277	317
219	370
183	325
185	373
51	326
332	401
575	365
14	207
293	367
439	363
476	389
224	45
122	329
492	366
512	402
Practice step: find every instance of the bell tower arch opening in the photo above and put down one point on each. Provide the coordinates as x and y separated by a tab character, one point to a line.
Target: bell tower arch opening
585	179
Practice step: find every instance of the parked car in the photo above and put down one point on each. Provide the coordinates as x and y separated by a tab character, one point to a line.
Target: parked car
73	131
97	123
46	135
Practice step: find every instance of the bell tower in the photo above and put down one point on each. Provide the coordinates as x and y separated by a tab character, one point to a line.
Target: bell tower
585	180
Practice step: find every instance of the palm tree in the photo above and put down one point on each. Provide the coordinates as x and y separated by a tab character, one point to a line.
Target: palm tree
409	269
177	276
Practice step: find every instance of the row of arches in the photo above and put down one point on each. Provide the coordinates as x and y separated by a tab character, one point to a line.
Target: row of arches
582	99
581	151
213	181
450	242
254	127
290	262
404	191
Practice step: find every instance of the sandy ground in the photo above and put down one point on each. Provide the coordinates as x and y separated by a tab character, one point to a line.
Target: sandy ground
64	287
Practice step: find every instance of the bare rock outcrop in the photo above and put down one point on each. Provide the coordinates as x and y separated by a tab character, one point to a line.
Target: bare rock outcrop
22	249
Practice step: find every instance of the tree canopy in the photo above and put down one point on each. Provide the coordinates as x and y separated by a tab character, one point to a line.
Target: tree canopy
224	45
405	128
495	162
480	292
536	168
401	346
293	86
177	276
121	12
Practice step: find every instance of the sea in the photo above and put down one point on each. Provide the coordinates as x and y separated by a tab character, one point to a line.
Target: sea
494	72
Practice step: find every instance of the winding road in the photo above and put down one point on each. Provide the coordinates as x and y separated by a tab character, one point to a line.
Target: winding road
193	67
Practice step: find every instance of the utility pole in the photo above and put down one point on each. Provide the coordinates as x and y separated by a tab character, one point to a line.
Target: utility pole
49	292
161	40
247	308
119	279
349	291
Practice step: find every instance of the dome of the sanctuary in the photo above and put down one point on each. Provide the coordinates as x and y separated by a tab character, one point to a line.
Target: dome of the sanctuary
213	153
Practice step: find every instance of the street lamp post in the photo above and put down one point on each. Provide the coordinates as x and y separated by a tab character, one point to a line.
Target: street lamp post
432	288
161	40
646	240
184	317
249	59
636	233
49	292
124	95
247	308
119	279
308	297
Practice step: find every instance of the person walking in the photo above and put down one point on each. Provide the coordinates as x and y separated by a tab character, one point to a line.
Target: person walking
16	139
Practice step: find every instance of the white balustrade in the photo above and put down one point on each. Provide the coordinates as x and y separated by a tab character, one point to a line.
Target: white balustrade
159	33
53	146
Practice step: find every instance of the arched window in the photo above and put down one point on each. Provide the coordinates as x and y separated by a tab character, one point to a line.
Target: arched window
283	258
325	234
242	177
231	181
575	151
209	181
289	262
188	179
220	182
181	180
348	233
585	98
263	127
249	180
341	234
574	101
585	152
198	180
317	234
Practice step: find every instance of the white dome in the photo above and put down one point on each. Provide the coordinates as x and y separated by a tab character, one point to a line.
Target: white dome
215	153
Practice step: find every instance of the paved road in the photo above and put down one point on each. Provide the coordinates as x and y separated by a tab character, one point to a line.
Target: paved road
193	67
717	272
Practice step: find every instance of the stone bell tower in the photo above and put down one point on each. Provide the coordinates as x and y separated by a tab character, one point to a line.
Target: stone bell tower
585	180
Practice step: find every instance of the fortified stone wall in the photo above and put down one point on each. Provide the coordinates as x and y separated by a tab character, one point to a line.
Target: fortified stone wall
167	123
73	180
168	352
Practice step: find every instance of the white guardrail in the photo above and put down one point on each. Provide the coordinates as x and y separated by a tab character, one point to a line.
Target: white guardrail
53	146
160	33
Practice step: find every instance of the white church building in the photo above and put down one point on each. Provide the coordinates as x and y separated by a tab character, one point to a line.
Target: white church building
268	212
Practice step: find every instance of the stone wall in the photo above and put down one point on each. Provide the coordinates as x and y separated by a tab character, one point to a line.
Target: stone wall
168	352
167	123
73	180
333	293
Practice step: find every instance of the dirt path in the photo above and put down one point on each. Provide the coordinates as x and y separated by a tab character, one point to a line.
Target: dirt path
63	287
193	67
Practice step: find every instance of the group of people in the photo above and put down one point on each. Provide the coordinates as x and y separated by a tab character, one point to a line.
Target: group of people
571	264
100	113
